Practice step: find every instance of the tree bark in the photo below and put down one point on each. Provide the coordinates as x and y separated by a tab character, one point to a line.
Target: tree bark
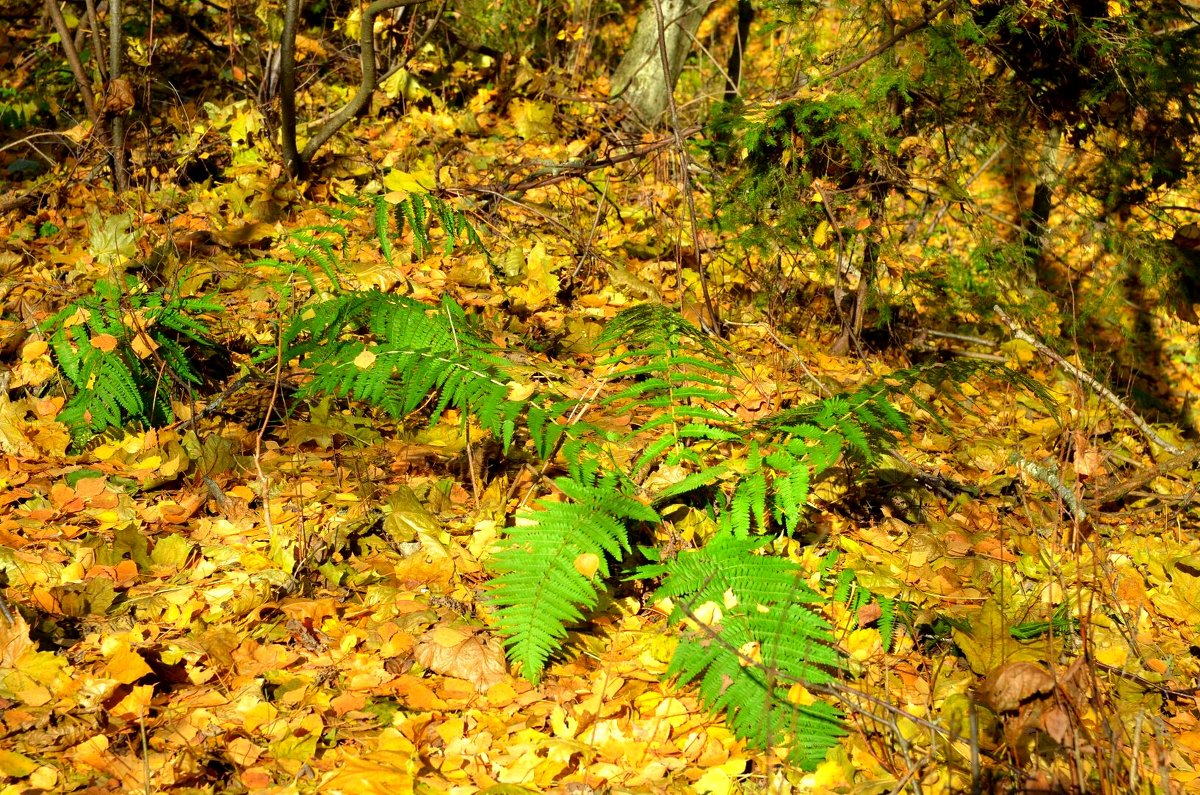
1037	221
116	129
81	78
298	163
733	71
287	89
639	80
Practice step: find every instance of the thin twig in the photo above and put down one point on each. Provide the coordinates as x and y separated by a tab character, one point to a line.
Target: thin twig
553	174
941	213
886	45
1115	493
466	417
1079	373
950	336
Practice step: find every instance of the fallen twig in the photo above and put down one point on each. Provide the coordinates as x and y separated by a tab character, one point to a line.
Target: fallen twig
1120	490
1079	373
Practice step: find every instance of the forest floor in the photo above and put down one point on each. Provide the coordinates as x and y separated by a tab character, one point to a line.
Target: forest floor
216	606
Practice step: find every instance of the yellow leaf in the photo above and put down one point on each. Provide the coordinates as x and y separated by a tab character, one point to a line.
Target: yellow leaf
14	430
708	614
798	694
397	181
821	235
519	393
14	765
143	345
720	780
562	724
134	706
1113	656
127	666
750	653
532	118
364	360
587	564
34	350
448	637
863	644
242	492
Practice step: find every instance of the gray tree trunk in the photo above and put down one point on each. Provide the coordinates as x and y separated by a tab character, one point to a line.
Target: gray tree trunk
639	80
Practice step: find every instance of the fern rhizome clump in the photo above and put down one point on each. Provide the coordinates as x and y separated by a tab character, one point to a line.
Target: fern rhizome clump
655	433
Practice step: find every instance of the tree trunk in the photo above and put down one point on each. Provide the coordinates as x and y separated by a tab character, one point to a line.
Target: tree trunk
639	79
1037	221
733	72
116	129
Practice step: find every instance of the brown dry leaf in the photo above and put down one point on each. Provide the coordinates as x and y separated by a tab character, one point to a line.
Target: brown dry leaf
868	613
118	97
1009	685
464	654
1088	461
1057	724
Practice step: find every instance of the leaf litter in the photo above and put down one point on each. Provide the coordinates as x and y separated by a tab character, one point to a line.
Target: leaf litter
300	611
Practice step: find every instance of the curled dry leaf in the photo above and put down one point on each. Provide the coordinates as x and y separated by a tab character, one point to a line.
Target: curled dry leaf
1009	685
118	97
1057	724
464	654
868	613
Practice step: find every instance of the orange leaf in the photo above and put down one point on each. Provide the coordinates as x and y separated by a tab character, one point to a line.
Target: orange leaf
134	706
104	342
127	666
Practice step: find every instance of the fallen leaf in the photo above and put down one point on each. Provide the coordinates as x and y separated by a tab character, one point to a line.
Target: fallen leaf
1008	686
475	657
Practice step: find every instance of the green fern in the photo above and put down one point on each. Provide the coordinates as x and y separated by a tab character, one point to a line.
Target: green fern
114	347
396	353
314	250
541	589
673	380
851	593
671	383
419	210
751	635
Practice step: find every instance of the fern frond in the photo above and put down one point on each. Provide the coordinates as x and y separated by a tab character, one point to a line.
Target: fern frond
541	588
381	229
674	378
751	637
111	383
408	352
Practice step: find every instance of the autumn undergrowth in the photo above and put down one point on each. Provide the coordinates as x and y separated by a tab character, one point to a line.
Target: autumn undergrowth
751	630
649	436
127	352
